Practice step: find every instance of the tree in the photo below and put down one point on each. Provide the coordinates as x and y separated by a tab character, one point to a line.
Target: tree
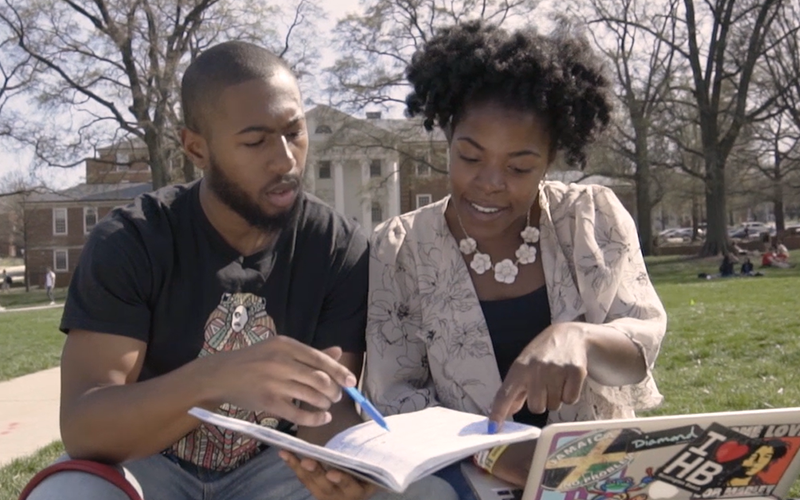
783	65
776	145
642	67
737	43
16	70
15	188
377	45
111	69
725	41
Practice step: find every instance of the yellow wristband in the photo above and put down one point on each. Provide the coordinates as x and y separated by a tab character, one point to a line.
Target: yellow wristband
487	461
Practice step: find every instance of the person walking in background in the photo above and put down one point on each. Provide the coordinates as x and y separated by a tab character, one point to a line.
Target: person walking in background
6	284
50	284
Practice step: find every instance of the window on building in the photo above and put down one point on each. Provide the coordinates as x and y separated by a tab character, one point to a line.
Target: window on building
377	212
323	129
375	168
89	219
424	199
59	221
324	170
423	170
60	260
123	161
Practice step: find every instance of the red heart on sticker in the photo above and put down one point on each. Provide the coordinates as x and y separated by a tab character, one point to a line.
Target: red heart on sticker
731	450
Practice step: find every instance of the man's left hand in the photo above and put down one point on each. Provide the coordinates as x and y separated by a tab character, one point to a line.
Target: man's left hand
327	484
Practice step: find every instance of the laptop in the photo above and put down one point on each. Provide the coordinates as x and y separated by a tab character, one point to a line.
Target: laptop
742	455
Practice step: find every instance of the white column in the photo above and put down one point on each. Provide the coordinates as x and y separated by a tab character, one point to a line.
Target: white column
393	185
366	198
338	187
310	178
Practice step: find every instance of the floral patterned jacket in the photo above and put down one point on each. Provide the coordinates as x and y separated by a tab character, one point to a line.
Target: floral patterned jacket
427	340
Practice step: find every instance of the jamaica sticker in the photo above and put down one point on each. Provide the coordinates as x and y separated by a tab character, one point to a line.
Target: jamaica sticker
586	460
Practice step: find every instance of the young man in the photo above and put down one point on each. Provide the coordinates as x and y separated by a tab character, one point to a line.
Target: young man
238	293
50	285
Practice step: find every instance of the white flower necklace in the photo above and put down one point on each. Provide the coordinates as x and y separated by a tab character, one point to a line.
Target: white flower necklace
506	270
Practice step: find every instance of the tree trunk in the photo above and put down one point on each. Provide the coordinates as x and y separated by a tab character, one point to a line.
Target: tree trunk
780	221
25	245
644	207
716	210
159	162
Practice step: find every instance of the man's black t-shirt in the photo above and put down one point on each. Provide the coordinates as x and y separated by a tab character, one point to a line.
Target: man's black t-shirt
159	272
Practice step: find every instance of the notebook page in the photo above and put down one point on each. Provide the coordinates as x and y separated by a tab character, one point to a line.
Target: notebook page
417	442
293	444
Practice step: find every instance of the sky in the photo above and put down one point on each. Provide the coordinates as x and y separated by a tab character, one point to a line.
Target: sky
13	159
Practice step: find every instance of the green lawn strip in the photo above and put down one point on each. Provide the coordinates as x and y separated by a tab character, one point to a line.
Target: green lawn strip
6	262
18	297
730	345
29	342
14	476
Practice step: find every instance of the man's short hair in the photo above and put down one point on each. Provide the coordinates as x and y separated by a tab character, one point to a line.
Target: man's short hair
223	65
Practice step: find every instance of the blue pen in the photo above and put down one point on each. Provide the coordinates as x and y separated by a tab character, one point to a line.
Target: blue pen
367	406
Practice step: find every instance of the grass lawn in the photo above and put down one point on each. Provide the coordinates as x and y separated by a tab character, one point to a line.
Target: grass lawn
29	341
731	344
14	476
18	297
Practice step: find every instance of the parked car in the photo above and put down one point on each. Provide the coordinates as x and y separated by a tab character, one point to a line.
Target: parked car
678	235
751	230
793	229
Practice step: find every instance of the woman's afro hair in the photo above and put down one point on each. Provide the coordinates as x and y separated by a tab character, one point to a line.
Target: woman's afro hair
558	78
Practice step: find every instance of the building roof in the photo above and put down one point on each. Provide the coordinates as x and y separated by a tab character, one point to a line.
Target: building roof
94	192
580	177
407	129
124	144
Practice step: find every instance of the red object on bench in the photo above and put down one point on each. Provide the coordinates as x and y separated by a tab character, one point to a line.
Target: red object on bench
107	472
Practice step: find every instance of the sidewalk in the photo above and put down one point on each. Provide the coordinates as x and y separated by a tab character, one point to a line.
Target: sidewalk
29	413
30	308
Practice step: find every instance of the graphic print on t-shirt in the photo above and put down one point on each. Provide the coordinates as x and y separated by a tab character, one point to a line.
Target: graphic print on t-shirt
240	320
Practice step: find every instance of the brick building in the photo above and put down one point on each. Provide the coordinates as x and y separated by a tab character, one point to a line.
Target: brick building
369	169
10	232
58	223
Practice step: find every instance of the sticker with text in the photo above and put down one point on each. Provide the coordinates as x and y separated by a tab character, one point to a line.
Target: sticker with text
585	461
733	462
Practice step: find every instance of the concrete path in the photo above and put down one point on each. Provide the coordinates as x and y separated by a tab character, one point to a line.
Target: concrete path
29	413
31	308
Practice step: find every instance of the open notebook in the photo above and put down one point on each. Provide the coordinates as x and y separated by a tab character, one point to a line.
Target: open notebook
742	455
418	444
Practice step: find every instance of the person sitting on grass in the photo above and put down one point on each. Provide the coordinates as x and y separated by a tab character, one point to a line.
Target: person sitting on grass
772	258
781	252
726	267
747	267
513	297
238	293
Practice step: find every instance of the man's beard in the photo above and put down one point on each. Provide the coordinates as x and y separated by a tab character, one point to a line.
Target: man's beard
248	209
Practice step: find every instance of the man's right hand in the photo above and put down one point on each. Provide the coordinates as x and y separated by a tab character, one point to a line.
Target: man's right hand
271	375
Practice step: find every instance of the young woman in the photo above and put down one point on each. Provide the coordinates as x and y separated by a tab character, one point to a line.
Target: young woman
513	289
